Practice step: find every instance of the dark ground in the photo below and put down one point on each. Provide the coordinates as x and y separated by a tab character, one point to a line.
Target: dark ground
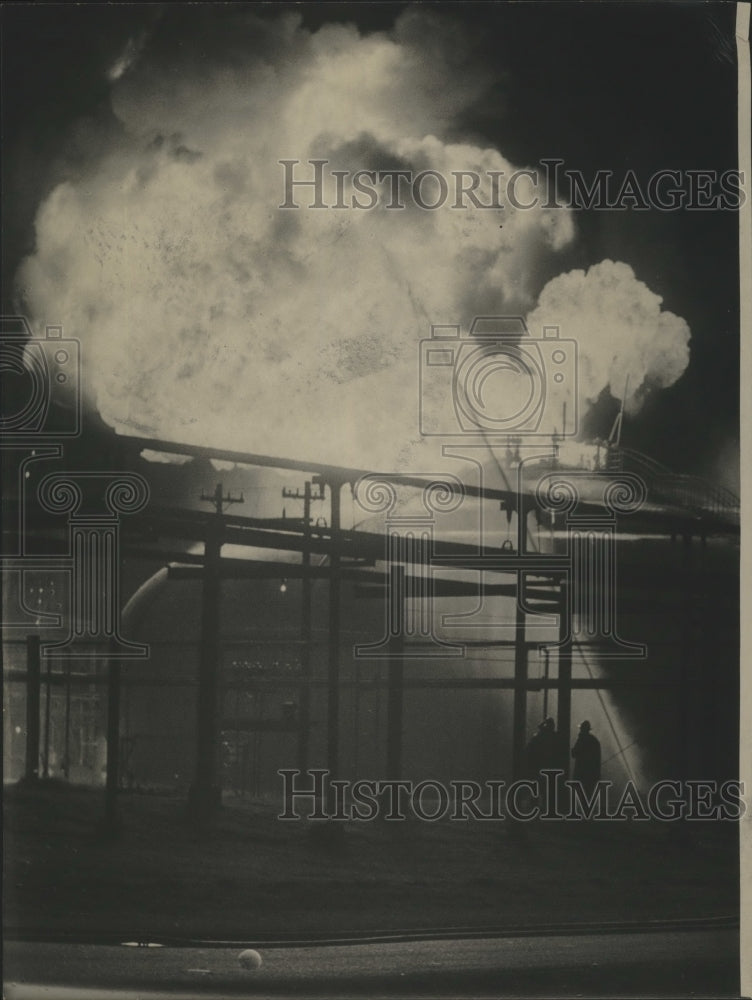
657	964
257	875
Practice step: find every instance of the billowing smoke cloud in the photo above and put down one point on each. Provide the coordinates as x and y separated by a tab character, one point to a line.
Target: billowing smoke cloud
625	341
209	315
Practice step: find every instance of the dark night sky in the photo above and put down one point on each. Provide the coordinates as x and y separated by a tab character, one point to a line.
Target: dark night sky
602	86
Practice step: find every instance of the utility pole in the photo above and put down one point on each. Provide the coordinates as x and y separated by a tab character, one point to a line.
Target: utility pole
205	794
304	711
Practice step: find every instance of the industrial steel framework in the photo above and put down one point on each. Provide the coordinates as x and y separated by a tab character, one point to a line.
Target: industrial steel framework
682	508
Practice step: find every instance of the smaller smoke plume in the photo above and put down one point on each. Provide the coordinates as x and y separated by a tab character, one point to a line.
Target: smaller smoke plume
624	338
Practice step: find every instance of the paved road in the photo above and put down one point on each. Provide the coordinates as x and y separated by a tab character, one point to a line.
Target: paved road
669	963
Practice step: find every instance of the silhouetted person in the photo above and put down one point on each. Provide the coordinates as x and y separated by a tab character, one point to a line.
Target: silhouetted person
586	753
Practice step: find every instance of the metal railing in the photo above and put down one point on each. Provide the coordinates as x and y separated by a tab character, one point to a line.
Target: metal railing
674	489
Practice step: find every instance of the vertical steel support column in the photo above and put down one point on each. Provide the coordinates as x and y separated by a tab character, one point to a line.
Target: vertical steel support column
332	735
205	793
564	699
47	708
395	702
685	669
304	718
66	744
33	699
519	725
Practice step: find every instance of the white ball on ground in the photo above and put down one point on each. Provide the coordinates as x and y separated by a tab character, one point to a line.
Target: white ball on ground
250	959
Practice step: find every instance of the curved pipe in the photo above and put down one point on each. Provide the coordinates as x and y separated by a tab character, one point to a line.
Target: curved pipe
136	605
